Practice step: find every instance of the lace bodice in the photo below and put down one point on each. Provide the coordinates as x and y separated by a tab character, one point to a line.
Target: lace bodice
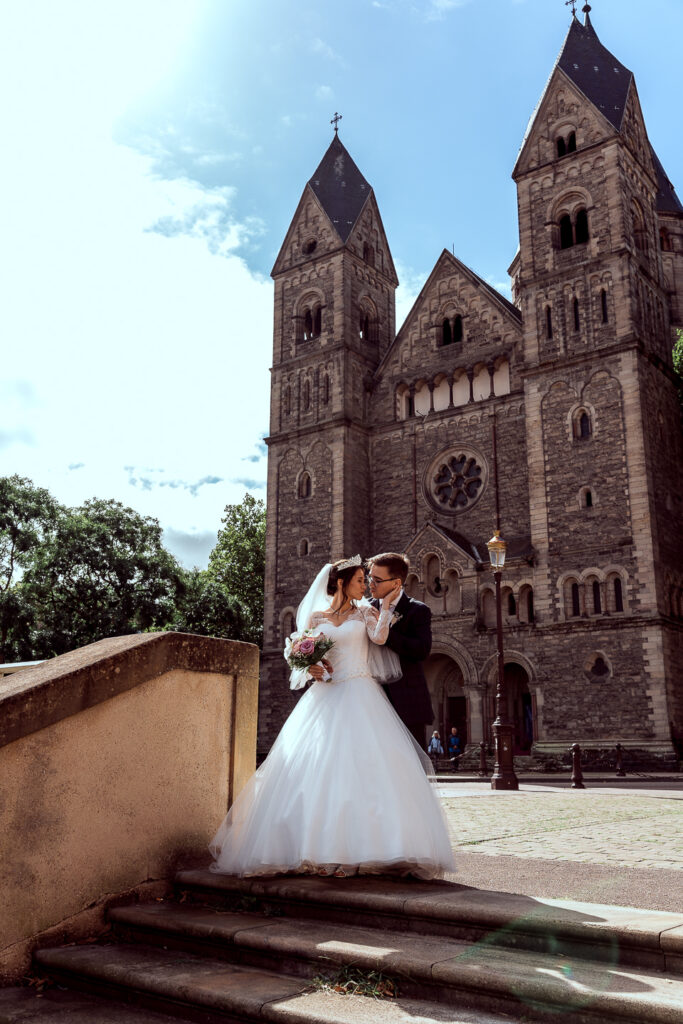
376	623
351	656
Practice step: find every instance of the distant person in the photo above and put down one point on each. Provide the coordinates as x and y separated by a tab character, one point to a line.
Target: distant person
454	748
435	748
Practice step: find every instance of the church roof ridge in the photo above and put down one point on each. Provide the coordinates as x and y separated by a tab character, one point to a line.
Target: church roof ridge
667	200
340	188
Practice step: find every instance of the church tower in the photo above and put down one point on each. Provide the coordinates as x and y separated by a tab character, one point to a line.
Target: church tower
600	397
334	319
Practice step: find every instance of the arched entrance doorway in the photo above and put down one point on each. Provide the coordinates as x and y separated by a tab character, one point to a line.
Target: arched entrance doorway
521	707
445	681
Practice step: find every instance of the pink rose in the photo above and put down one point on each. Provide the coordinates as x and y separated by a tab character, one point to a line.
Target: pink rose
307	646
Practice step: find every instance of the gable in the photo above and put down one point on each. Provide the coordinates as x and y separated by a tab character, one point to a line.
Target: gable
563	108
490	322
368	240
310	224
457	550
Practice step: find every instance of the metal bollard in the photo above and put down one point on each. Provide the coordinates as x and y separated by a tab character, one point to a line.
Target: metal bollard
577	774
620	762
483	770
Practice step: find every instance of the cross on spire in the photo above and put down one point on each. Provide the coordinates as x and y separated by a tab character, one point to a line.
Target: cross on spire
335	121
572	4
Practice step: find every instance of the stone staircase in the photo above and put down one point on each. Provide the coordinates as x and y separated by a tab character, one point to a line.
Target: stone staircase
247	950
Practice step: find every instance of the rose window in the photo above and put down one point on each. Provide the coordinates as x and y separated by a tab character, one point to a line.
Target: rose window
456	481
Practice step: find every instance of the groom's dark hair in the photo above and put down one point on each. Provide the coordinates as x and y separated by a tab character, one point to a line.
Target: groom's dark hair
396	564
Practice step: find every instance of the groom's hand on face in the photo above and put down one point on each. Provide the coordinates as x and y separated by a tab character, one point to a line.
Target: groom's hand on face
392	594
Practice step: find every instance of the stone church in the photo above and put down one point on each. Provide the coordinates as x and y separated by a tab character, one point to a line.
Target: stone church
557	412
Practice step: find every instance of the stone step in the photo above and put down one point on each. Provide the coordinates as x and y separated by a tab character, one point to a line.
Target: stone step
55	1006
613	935
211	991
437	969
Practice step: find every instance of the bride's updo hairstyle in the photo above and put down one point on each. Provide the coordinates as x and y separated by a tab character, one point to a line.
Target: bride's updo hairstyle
345	575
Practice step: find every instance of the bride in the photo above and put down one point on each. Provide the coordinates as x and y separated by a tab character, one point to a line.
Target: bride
343	789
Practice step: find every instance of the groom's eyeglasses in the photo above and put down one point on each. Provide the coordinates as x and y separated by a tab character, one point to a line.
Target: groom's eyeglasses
376	580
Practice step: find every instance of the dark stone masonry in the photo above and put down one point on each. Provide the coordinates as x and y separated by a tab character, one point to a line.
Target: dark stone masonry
382	441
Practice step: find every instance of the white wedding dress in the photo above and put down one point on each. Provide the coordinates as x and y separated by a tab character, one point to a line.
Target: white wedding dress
343	783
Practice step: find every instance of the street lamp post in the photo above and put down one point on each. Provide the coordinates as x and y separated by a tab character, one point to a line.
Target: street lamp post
504	770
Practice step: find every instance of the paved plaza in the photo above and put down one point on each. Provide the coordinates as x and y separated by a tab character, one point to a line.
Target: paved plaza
601	844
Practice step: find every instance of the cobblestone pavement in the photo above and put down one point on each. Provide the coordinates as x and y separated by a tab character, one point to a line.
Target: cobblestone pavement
624	830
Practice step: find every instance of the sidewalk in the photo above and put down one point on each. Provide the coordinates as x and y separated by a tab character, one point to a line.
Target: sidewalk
621	845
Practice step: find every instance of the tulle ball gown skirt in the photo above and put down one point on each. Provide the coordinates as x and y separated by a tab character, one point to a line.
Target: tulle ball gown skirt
343	785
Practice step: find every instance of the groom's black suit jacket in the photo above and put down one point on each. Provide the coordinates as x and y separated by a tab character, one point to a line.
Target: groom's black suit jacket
411	638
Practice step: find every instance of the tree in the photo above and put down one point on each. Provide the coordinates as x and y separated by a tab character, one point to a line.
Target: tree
206	608
238	561
27	516
678	364
101	572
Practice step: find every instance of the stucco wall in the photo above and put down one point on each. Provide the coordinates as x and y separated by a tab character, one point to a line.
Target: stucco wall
121	792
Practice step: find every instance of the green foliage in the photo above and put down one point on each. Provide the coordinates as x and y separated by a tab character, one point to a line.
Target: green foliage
27	517
238	561
71	576
678	364
101	572
678	353
207	608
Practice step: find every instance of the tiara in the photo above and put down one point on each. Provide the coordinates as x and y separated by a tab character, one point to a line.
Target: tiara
349	563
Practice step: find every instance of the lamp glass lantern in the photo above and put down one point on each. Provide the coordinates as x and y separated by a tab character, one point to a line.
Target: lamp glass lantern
497	548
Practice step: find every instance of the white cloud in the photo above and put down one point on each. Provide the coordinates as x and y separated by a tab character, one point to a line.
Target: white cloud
324	92
133	332
324	50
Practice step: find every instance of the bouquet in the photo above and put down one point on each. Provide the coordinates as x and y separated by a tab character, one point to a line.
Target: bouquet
307	648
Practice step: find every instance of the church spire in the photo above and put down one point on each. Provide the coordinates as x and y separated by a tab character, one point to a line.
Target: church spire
603	79
341	189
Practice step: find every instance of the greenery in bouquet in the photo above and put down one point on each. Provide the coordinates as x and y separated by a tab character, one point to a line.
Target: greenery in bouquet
306	648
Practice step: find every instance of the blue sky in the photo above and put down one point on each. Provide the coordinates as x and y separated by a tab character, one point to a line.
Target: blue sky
154	154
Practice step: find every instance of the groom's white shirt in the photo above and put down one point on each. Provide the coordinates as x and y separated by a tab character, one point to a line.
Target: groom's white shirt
392	606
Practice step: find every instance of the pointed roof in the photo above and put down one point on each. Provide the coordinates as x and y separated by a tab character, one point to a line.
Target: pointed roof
667	200
340	188
595	71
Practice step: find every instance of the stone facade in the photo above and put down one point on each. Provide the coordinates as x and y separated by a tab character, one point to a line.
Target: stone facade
557	412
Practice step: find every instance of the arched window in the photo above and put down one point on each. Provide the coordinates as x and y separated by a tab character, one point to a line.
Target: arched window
664	240
303	548
308	325
581	227
588	499
306	396
577	318
304	486
576	601
512	604
548	322
287	625
597	602
457	329
364	327
566	232
368	254
561	147
603	305
639	232
489	609
530	605
618	595
571	143
317	321
582	424
446	332
326	389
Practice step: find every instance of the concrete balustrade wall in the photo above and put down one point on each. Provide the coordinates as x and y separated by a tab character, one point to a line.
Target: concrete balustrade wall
117	763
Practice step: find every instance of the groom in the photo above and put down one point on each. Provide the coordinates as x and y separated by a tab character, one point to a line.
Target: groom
410	636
